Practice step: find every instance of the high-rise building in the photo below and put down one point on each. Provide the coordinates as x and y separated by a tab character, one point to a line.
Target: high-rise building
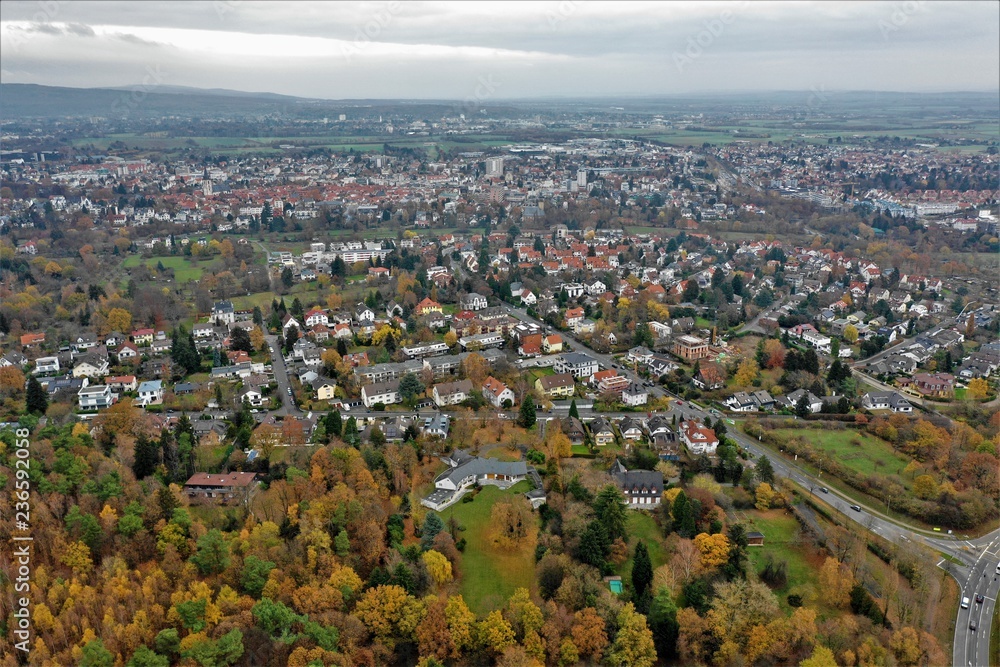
494	166
581	178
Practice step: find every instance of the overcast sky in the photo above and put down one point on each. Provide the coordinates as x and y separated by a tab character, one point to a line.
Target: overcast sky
497	50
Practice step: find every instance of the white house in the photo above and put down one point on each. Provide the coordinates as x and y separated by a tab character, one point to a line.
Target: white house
577	364
47	365
96	397
699	439
386	393
886	400
150	392
223	312
451	393
635	395
474	301
496	392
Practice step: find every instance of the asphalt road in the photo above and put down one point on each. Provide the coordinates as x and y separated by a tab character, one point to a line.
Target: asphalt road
972	647
288	406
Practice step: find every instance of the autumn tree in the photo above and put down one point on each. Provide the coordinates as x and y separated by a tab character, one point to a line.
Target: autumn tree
851	334
11	380
978	389
475	368
714	549
589	633
773	353
633	645
266	438
747	372
511	520
764	496
836	582
389	613
821	657
438	567
495	633
119	319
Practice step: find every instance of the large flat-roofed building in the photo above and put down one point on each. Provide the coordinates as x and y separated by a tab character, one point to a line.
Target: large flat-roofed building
690	348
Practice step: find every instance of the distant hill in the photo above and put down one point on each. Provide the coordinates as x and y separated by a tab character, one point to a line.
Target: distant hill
19	100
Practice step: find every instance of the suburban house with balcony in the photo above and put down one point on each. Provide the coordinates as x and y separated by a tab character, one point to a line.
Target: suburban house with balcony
699	439
386	393
556	386
228	486
96	397
150	392
451	393
577	364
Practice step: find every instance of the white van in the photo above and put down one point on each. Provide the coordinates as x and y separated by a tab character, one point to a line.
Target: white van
965	603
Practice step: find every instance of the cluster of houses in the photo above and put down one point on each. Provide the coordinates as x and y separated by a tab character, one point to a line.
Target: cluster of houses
82	370
642	489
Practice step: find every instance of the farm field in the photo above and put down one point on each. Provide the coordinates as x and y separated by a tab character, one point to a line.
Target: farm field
489	575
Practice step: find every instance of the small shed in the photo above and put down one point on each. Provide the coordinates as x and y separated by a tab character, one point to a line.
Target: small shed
755	539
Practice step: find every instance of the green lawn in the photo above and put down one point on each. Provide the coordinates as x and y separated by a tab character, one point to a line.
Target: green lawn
490	576
873	455
184	269
642	526
783	541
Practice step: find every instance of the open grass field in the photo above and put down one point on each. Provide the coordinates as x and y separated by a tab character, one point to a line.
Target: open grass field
860	451
783	541
489	575
642	526
185	270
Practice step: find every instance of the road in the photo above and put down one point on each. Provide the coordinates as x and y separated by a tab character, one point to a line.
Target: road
972	647
288	406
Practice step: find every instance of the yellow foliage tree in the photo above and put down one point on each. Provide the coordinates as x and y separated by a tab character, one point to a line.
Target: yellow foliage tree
851	334
765	496
747	372
77	558
714	549
119	320
978	389
438	566
836	582
389	613
495	633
